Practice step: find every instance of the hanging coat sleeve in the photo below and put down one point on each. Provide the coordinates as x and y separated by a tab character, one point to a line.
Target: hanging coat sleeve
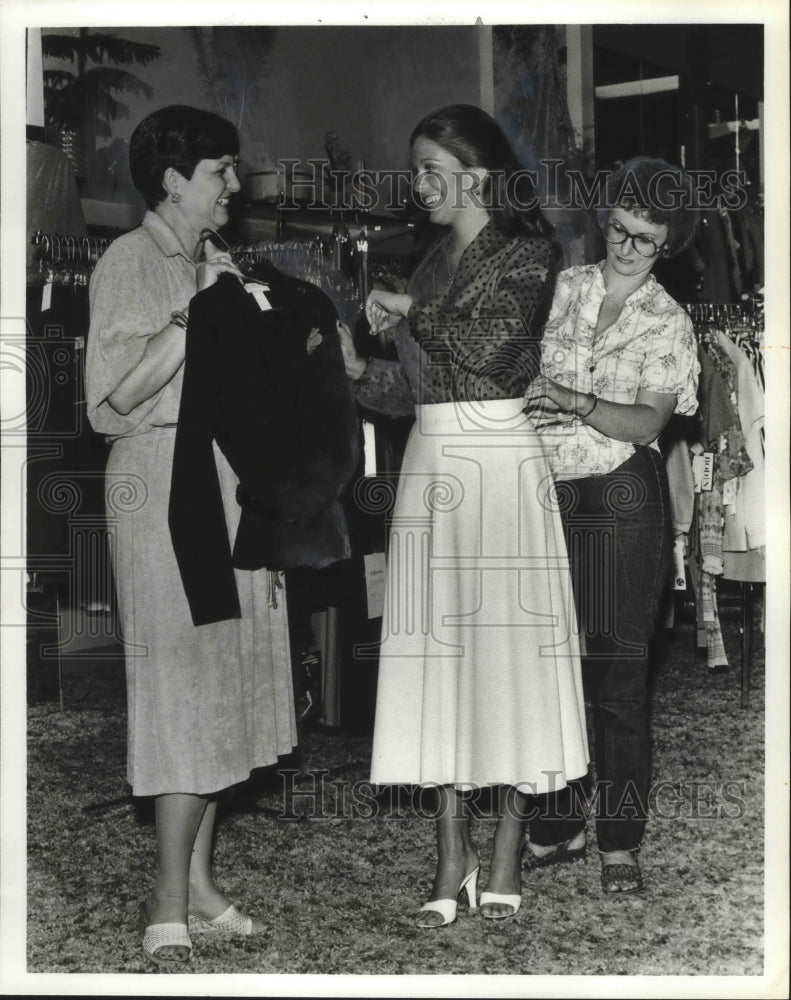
196	514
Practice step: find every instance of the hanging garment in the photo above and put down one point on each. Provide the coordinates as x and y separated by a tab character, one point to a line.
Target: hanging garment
745	529
732	457
750	230
710	241
681	483
717	414
749	338
53	201
732	248
264	378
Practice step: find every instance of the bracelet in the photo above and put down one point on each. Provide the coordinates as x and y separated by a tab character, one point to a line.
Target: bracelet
179	319
584	416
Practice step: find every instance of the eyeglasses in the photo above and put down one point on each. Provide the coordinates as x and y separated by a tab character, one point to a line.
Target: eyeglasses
644	245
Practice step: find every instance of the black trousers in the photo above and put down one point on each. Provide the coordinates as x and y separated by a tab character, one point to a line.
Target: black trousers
620	548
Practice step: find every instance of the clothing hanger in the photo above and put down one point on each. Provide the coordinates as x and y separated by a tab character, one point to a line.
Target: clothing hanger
221	243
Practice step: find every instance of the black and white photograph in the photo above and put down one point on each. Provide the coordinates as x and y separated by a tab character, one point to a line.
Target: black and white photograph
395	506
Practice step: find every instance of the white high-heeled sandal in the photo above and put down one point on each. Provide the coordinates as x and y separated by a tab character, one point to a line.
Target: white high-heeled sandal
447	907
495	897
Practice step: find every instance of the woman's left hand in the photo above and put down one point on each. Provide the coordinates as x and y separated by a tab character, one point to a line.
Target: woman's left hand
545	394
216	263
354	364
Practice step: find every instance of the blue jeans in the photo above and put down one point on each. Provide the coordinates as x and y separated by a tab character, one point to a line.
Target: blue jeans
620	548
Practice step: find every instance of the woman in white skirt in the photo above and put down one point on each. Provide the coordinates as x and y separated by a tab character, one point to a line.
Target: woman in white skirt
479	678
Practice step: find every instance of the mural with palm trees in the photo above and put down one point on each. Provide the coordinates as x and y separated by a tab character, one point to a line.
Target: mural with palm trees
81	104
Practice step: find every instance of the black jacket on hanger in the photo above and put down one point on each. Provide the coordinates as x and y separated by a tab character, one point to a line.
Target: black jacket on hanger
275	398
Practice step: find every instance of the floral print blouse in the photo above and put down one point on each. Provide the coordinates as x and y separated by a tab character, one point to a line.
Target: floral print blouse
650	346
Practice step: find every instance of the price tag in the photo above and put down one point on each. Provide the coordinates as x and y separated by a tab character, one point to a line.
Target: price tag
369	447
697	471
46	298
730	490
679	576
258	294
375	583
707	474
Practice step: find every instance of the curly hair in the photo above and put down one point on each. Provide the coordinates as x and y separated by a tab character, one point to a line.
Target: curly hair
178	136
658	192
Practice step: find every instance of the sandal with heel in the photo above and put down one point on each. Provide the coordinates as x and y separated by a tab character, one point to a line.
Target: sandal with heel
447	908
514	901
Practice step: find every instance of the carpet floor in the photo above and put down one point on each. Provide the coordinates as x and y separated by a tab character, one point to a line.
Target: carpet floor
337	873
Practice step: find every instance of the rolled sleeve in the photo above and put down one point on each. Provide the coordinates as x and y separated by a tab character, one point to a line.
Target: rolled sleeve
671	365
127	308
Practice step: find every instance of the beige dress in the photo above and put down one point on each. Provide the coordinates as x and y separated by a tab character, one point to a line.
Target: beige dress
205	704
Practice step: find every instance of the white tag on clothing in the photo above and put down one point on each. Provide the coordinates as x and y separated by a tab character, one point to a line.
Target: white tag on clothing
697	471
703	471
257	291
730	489
46	298
369	447
679	576
375	583
707	480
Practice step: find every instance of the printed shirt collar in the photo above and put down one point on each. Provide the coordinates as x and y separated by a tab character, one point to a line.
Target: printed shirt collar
645	291
164	236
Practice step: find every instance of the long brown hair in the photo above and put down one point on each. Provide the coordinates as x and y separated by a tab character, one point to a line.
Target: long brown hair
476	140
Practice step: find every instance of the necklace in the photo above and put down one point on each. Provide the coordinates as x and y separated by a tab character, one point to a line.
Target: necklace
451	272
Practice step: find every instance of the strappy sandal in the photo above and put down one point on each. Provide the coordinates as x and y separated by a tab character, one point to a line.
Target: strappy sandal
621	879
561	855
158	936
231	922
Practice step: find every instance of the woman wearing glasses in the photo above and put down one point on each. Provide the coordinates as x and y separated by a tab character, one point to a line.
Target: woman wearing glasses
618	359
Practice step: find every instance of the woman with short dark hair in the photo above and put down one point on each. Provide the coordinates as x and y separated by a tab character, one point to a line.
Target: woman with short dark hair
178	138
618	359
206	704
663	194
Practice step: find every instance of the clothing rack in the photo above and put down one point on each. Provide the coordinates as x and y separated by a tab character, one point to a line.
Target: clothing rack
298	257
746	317
67	260
312	260
742	323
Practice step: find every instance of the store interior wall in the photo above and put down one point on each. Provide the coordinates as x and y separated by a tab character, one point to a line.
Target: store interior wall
368	85
287	87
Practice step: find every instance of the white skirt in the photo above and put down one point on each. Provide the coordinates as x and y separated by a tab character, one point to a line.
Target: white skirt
479	668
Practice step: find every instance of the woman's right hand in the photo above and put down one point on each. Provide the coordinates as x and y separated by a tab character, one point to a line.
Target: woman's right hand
216	262
545	394
384	310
